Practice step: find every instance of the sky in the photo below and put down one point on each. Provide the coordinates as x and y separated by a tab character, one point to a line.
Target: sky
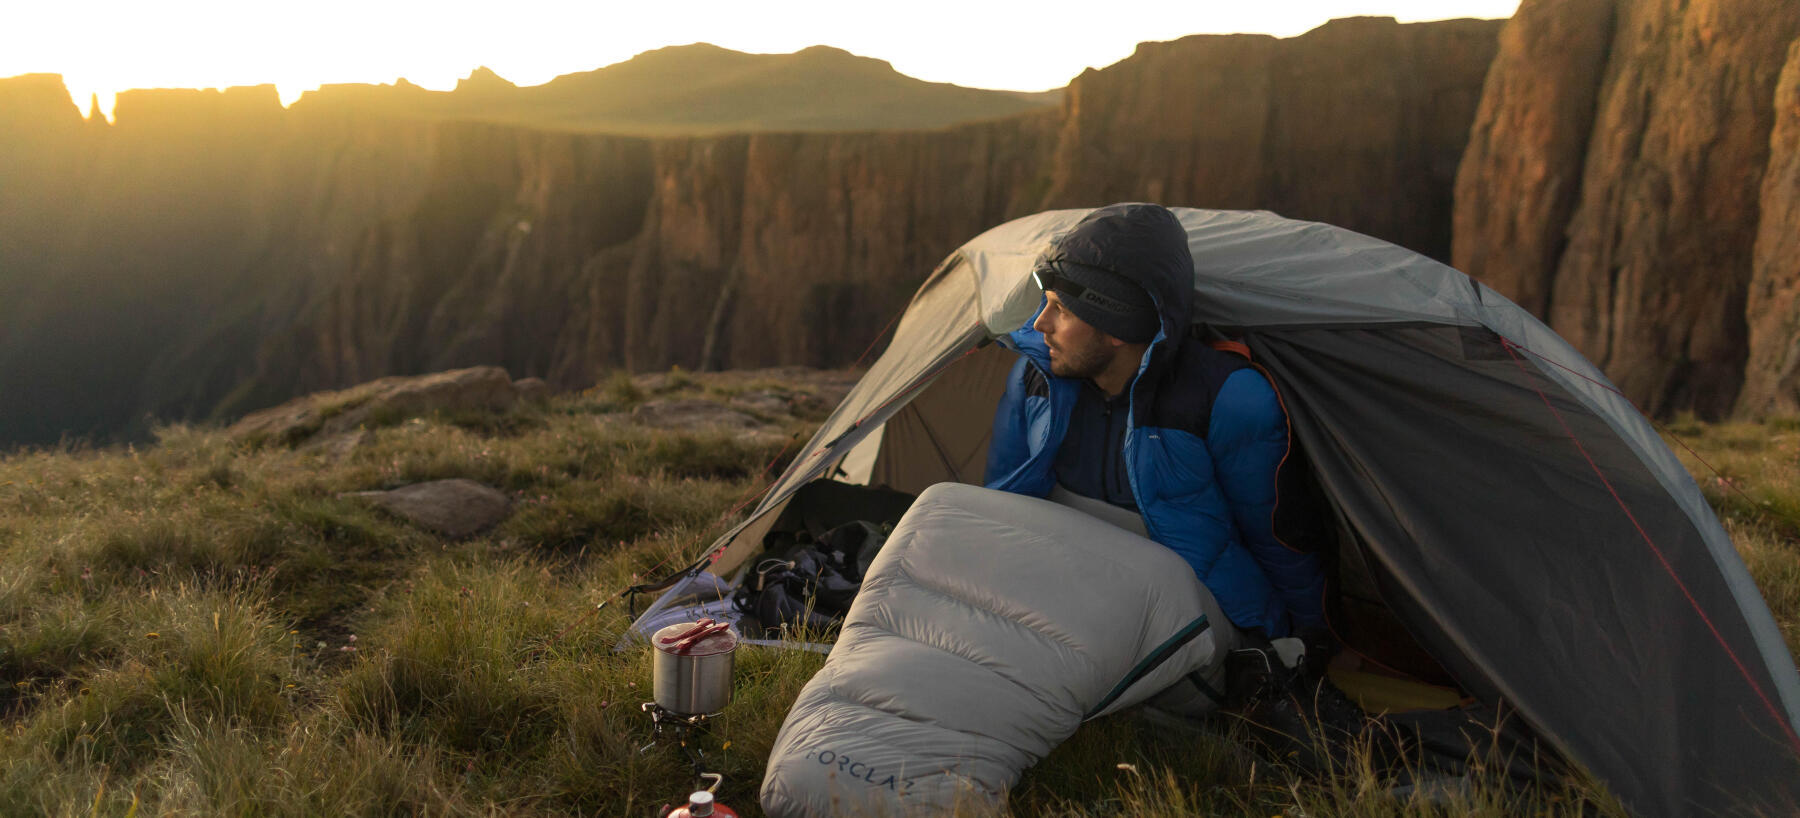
105	47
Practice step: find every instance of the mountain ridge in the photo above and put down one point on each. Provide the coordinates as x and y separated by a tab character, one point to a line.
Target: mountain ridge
696	89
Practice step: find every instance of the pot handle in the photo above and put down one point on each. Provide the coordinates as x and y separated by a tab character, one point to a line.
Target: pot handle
692	638
693	631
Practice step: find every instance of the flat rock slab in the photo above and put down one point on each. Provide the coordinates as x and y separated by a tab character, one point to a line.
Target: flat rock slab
767	402
691	414
384	400
339	446
826	386
455	508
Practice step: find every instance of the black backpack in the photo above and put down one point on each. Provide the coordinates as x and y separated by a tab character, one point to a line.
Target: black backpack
806	583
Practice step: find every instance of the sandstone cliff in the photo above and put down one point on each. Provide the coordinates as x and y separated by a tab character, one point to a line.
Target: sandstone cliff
1359	123
219	254
1772	379
1653	281
1522	170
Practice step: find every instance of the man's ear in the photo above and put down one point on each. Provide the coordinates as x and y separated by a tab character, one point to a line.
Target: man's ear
1114	342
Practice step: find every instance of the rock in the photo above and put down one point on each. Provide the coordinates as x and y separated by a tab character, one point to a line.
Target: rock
1520	176
766	402
664	383
379	402
1655	279
1772	379
455	508
340	445
829	388
532	390
691	414
481	388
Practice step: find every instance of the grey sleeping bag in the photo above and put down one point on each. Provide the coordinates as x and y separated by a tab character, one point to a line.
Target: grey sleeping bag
988	628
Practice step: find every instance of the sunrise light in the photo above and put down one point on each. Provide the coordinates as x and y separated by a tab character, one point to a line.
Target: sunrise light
101	48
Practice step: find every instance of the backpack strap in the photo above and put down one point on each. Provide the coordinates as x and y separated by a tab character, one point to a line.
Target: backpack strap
1237	348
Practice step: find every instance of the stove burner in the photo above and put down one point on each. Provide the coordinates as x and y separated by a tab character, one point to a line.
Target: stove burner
685	729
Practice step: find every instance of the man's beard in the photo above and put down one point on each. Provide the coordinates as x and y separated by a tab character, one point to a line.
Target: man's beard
1085	362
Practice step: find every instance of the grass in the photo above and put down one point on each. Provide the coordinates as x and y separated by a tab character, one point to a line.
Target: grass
1750	473
204	627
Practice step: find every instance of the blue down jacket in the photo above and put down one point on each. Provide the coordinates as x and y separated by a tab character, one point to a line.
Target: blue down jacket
1206	435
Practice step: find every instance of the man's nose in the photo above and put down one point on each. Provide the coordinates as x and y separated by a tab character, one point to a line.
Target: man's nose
1042	322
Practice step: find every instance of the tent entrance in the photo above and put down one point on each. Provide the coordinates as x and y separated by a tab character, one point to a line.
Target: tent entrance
942	435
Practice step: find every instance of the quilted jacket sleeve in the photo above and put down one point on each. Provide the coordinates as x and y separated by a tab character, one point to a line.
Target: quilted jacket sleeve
1249	439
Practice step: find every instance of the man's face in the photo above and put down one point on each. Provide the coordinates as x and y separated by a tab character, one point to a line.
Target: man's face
1077	350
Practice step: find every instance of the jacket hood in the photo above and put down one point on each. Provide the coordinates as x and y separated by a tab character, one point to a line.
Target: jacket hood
1143	243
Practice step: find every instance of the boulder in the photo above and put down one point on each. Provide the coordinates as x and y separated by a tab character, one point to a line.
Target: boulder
532	390
1772	379
379	402
455	508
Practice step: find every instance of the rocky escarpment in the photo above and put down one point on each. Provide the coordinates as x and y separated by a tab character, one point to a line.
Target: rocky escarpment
1359	123
1772	378
1654	279
218	255
1522	171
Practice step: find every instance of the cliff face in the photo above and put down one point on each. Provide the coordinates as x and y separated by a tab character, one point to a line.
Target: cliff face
1772	379
1522	171
38	123
218	254
1359	123
133	236
1653	282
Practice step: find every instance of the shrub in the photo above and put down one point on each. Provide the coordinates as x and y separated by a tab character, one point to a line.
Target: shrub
620	391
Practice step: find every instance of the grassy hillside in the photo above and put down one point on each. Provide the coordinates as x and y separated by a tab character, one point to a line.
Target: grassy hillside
699	89
201	627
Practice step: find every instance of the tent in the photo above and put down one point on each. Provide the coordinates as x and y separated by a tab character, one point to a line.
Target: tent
1510	514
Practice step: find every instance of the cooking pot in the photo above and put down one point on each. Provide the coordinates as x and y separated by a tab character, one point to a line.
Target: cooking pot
692	670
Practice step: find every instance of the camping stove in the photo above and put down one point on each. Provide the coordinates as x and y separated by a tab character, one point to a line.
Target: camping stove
683	728
686	730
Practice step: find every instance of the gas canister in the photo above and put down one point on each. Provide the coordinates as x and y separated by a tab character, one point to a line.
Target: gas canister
702	805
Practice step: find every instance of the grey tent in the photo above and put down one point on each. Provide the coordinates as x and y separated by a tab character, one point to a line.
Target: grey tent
1516	517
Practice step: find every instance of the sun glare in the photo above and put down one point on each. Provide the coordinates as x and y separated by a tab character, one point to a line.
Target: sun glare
102	48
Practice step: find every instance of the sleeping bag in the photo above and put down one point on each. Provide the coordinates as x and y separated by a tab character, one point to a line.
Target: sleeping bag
988	628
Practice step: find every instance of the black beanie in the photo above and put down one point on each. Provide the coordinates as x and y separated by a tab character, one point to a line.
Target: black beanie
1105	300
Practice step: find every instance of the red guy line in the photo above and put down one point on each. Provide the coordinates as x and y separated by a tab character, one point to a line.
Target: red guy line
1669	569
1723	480
878	336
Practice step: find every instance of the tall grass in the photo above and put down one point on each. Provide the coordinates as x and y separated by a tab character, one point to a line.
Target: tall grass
199	627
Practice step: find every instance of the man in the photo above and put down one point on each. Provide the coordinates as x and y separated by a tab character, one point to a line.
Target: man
1114	399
